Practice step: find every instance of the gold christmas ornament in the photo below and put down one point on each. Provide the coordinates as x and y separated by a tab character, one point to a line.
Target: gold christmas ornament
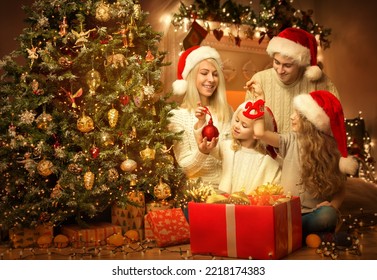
93	80
148	154
128	165
133	182
35	87
103	12
64	62
43	121
107	139
112	175
137	10
44	167
56	191
85	124
63	27
74	168
112	115
133	133
162	190
89	180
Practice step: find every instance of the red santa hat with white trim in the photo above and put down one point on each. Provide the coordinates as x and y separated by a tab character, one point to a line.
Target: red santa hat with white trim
324	111
299	45
187	61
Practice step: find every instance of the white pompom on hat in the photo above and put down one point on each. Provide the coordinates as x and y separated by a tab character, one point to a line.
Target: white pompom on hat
324	111
187	61
299	45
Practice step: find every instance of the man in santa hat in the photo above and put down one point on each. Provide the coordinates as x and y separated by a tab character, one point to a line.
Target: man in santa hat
295	70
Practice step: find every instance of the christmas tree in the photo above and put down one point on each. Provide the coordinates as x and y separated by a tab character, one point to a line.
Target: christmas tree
84	115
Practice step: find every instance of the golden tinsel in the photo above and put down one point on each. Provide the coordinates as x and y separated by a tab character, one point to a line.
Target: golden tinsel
268	189
198	192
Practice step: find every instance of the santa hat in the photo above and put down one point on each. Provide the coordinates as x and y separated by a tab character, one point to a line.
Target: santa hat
325	112
187	61
299	45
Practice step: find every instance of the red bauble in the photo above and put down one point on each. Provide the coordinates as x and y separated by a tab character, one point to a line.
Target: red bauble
210	131
124	99
94	151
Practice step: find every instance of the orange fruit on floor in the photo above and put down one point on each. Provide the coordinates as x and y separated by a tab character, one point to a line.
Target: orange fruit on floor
313	241
132	235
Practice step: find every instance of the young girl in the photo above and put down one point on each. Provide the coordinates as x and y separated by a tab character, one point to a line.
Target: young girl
200	80
246	163
315	158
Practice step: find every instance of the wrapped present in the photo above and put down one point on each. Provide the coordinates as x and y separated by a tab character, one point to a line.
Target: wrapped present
246	231
91	236
169	227
27	237
132	215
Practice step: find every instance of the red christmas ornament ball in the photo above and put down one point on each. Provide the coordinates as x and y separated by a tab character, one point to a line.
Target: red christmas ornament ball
94	151
124	99
210	131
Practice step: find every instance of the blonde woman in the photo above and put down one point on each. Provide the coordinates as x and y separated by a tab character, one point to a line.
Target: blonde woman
200	81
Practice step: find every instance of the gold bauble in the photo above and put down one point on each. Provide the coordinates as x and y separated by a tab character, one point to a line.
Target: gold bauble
44	167
112	115
133	182
43	121
107	139
103	12
89	180
128	165
162	190
148	153
85	124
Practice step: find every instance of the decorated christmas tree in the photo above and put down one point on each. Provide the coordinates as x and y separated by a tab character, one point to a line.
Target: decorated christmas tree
84	114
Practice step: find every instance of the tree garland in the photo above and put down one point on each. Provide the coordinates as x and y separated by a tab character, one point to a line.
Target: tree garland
273	17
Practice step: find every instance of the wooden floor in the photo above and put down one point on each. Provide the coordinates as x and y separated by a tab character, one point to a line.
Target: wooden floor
148	251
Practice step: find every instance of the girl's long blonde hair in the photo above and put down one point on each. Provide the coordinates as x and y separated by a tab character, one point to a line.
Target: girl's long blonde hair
319	156
218	101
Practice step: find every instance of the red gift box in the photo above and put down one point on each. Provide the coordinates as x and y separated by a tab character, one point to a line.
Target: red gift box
169	227
94	235
246	231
